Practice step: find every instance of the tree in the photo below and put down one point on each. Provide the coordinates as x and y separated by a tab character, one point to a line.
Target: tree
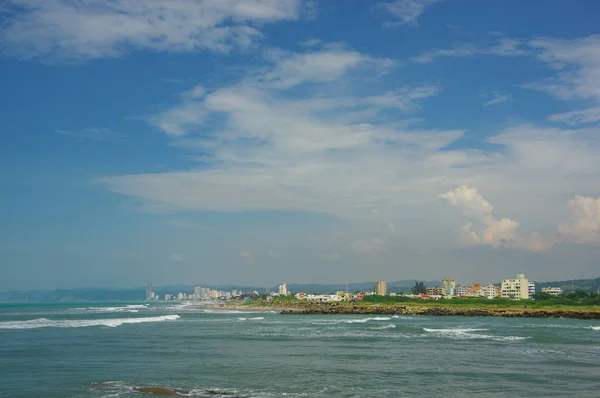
541	296
419	287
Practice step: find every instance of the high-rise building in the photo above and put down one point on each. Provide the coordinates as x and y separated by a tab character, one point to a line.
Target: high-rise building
381	288
530	289
283	289
515	289
149	295
197	292
448	286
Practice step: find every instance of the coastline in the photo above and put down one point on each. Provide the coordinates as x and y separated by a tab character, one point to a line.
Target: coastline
300	308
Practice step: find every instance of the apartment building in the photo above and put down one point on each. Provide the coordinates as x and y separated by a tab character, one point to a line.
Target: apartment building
381	288
515	289
555	291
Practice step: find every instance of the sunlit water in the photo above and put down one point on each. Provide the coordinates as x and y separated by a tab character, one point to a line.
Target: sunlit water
103	350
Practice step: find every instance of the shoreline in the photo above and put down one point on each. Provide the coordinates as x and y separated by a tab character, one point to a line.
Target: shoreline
411	310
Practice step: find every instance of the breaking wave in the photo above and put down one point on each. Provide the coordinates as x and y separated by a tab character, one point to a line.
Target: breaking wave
468	334
258	318
127	308
82	323
594	327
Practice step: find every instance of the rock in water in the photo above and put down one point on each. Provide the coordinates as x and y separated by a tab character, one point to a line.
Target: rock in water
156	390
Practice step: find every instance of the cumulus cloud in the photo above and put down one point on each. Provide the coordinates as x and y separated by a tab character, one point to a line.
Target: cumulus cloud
66	30
490	231
406	11
584	223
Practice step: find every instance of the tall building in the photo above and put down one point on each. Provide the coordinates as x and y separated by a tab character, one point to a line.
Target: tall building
530	289
149	293
381	288
448	286
515	289
283	289
197	292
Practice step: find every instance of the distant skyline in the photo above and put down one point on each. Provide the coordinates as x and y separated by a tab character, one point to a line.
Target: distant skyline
252	142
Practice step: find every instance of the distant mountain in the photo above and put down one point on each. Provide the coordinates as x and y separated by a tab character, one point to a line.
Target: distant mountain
587	285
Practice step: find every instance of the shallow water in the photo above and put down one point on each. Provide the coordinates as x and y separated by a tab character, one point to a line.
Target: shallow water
103	350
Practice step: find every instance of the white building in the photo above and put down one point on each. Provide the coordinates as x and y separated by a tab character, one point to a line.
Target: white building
448	286
167	297
180	296
530	289
515	289
488	291
381	288
555	291
283	289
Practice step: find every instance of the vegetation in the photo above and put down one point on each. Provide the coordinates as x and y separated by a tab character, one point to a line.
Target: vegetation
578	298
419	287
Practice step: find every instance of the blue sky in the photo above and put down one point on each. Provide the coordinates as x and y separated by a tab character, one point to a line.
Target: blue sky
263	141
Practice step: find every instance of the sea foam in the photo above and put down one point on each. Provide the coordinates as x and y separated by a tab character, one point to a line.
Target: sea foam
81	323
468	334
594	327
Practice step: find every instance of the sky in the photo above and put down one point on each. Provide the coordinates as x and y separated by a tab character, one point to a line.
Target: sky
258	142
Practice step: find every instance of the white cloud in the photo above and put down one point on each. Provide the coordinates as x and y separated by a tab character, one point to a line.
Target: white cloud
498	99
590	115
65	30
392	227
246	254
93	134
584	223
273	254
310	42
175	257
491	231
577	65
406	11
503	47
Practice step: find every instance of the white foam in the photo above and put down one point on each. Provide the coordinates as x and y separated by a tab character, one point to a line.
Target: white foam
594	327
468	334
127	308
453	330
81	323
258	318
389	326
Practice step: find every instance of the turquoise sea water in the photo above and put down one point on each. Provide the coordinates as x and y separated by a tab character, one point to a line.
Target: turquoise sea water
103	350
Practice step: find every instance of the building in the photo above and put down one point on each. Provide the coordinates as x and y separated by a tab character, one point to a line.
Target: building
448	286
167	297
555	291
474	290
461	291
149	293
197	292
530	289
515	289
283	289
434	291
381	288
489	291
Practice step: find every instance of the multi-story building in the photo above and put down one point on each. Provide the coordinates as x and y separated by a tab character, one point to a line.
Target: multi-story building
530	289
167	297
381	288
197	292
474	290
448	286
515	289
283	289
555	291
489	291
434	291
461	290
149	295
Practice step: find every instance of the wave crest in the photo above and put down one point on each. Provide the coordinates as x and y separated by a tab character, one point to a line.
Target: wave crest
81	323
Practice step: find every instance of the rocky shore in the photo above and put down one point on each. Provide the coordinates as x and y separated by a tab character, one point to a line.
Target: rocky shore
428	310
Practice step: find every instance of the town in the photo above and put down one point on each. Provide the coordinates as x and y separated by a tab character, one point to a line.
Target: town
519	288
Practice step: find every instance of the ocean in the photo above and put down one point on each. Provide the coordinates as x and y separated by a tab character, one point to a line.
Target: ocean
106	349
